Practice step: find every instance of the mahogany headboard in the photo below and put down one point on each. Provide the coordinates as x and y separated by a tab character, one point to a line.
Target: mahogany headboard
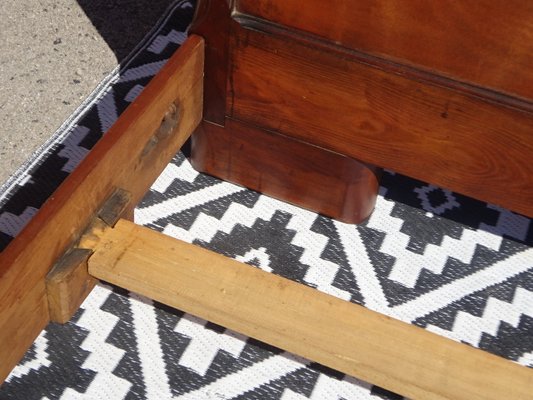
302	102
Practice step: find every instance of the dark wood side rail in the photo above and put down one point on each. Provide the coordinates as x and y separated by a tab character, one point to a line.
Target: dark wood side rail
352	78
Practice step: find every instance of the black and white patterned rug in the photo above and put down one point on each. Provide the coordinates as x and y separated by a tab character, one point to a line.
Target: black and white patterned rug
453	265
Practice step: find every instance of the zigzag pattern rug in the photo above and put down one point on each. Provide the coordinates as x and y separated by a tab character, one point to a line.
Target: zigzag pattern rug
450	264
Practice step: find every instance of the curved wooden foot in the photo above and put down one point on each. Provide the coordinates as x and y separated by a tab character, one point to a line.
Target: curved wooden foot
287	169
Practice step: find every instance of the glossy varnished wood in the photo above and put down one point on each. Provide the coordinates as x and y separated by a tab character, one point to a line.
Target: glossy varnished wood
328	183
305	175
131	155
212	21
462	142
487	43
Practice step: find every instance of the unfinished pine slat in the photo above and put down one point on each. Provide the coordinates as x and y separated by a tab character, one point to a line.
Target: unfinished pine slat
397	356
130	156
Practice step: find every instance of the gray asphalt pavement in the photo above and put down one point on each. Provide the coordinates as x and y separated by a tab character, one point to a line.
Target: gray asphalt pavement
53	53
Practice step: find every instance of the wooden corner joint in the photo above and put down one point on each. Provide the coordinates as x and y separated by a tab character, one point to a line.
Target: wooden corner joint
68	283
31	295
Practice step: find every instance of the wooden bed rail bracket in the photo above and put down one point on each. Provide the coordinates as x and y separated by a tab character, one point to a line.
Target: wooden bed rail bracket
68	283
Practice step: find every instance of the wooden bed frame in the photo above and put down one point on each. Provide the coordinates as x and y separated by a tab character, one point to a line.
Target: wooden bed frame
436	91
301	103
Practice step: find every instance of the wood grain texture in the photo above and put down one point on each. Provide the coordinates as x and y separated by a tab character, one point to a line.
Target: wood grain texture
397	356
284	168
21	321
119	159
488	43
68	284
212	22
460	142
115	207
292	171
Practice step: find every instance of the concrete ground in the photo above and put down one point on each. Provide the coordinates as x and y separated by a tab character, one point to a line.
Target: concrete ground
53	53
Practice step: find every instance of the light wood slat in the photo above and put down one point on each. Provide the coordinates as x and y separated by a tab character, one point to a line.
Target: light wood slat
120	159
341	335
